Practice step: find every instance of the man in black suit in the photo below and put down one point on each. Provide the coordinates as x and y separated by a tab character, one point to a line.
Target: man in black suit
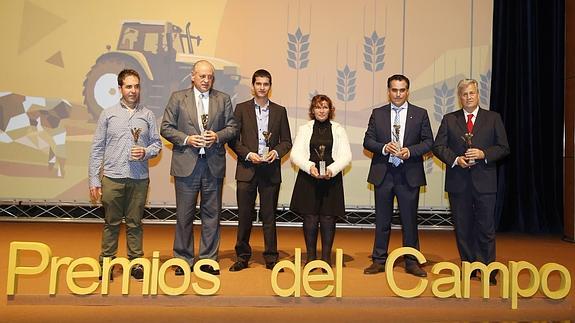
263	140
471	176
398	135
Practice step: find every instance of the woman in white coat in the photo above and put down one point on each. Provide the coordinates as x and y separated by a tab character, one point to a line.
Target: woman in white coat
321	151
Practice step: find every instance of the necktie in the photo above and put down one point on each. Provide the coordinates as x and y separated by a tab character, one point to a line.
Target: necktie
396	161
469	123
203	111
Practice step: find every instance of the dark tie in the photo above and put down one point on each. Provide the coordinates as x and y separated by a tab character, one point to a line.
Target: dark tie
469	123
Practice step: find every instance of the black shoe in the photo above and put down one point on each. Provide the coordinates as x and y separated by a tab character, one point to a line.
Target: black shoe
474	273
111	274
271	265
374	268
179	271
492	279
210	270
137	272
239	265
415	270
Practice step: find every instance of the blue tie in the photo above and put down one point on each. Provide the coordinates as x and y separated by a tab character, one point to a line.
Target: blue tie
396	161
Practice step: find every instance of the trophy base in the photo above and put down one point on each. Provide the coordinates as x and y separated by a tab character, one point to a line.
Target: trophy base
264	152
322	171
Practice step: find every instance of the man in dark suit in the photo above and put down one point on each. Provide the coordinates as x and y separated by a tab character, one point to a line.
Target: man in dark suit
263	140
471	176
398	135
198	122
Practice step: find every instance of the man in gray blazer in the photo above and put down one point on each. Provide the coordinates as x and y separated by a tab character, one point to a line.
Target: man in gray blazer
198	122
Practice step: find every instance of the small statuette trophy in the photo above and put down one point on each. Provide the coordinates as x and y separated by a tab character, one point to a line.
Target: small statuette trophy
205	126
396	128
467	138
320	151
265	150
136	136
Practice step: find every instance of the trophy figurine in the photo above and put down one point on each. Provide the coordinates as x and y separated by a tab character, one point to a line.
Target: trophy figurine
264	151
205	126
320	151
467	138
136	136
396	128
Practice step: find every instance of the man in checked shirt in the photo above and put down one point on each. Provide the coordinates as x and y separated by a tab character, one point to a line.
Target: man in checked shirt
126	137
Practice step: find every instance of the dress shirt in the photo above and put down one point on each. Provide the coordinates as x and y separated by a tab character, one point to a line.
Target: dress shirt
113	142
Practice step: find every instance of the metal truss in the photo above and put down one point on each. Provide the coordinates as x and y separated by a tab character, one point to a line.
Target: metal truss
428	218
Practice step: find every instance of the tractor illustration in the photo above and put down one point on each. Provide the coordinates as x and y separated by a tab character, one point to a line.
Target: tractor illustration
163	55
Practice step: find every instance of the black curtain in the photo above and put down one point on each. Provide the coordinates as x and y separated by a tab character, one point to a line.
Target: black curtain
527	89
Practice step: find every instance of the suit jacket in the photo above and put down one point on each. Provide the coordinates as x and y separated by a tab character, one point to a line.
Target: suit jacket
417	137
247	140
181	120
488	135
341	152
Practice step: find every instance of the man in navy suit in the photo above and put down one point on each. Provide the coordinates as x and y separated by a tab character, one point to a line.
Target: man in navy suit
264	138
398	135
471	176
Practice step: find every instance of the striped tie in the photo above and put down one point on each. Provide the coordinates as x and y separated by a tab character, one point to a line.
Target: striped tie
396	161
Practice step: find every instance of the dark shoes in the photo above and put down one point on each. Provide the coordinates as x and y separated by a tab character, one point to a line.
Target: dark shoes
271	265
111	274
210	270
180	272
474	273
137	272
374	268
492	279
239	265
415	270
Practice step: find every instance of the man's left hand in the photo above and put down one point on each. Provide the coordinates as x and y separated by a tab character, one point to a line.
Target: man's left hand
210	137
403	153
474	153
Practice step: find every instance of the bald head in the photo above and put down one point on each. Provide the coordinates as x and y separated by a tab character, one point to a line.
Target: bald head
203	75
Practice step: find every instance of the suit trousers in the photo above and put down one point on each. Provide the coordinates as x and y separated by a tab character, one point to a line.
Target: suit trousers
246	195
123	198
395	185
474	222
202	182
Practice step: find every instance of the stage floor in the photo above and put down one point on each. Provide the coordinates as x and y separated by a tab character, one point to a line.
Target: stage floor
247	296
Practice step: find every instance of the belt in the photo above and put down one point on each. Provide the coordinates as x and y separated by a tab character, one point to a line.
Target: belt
201	155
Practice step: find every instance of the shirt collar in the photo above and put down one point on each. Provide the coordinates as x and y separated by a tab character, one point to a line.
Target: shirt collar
403	106
197	93
125	106
474	113
265	106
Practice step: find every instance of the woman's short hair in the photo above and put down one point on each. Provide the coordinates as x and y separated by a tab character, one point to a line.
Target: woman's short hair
316	100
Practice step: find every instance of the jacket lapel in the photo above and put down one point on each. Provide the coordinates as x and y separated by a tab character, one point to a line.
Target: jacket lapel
386	122
461	121
191	109
478	120
212	110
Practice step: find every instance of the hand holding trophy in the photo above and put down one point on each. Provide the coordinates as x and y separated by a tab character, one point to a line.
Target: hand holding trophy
396	131
135	150
205	120
467	138
320	151
264	151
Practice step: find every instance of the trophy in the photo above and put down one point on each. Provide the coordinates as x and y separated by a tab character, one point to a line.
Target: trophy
396	128
136	136
205	126
320	151
264	151
467	138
